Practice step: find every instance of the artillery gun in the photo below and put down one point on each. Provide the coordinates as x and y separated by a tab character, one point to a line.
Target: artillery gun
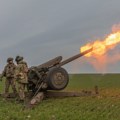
51	75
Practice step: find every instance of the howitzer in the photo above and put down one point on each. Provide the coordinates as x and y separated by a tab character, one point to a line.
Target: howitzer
51	74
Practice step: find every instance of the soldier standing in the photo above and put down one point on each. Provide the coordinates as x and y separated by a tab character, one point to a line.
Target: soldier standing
9	73
21	75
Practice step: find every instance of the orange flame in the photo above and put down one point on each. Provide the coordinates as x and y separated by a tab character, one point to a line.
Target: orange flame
101	47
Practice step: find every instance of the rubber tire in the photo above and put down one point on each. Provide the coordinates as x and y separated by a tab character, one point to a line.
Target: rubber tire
51	81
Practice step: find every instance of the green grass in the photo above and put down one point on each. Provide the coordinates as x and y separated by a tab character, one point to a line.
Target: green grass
106	106
90	80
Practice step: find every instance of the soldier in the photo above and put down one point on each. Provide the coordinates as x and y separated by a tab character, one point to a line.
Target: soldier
21	75
9	73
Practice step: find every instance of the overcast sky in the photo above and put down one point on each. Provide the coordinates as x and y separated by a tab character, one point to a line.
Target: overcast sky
40	30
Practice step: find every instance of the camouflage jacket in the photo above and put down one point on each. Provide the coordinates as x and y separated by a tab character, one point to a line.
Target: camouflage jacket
21	72
9	71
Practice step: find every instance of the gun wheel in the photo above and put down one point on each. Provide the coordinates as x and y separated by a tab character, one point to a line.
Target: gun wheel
57	78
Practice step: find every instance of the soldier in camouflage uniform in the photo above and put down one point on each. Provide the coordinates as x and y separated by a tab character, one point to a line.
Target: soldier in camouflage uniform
9	73
21	75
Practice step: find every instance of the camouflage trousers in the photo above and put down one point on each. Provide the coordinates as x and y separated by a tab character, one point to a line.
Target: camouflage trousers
10	82
21	90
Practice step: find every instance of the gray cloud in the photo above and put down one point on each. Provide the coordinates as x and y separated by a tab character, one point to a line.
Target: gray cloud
43	29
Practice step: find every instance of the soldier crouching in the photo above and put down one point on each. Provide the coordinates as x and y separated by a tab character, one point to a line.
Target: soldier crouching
9	73
21	75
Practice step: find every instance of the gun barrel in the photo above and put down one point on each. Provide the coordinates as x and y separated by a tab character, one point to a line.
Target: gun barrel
51	63
75	57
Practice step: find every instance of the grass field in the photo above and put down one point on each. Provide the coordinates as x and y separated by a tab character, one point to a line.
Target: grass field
105	106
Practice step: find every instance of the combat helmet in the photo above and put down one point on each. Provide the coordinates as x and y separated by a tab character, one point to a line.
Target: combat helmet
18	58
9	59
